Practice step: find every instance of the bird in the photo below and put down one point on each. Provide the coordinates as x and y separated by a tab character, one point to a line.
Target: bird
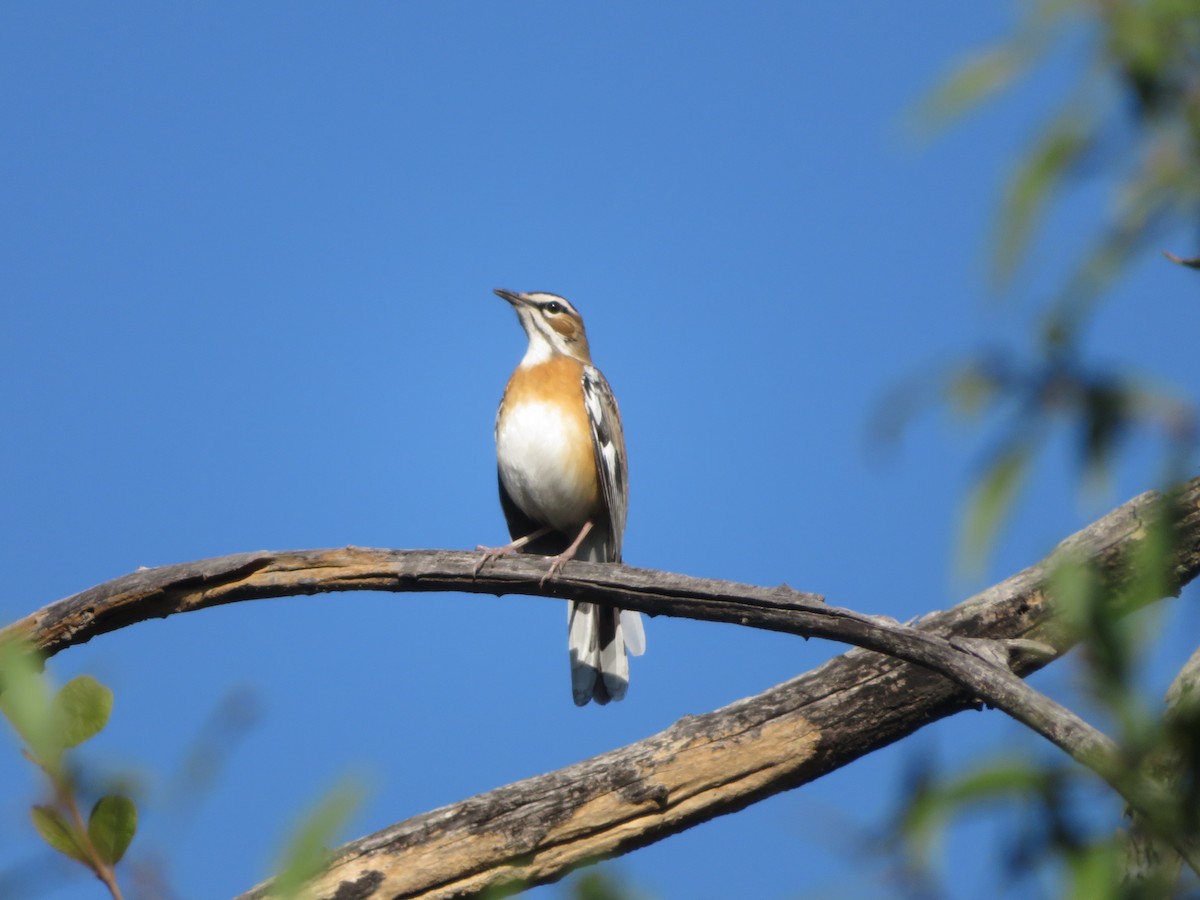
563	480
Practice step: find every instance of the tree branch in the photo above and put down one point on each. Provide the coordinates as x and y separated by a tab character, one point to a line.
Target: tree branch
1150	863
536	830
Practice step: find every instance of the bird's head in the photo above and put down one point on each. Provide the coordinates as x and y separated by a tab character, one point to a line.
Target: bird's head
553	325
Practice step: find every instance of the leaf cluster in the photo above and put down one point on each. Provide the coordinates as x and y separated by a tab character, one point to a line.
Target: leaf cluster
51	723
1131	119
1048	797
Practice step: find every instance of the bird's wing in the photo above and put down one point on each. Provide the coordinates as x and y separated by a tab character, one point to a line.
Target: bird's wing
612	630
608	444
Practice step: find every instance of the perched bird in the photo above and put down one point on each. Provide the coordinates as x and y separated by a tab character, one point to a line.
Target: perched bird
560	455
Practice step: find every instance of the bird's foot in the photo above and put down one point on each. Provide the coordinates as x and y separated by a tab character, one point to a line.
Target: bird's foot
491	554
556	563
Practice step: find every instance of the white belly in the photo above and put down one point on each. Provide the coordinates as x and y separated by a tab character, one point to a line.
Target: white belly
533	449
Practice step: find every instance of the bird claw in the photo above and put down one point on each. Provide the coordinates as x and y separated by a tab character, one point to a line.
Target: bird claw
490	554
556	563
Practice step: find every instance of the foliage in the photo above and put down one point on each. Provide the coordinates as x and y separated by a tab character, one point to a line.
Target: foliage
50	724
1133	120
307	849
599	885
1042	799
1048	796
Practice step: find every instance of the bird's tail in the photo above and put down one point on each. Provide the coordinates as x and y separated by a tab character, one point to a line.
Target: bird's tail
598	637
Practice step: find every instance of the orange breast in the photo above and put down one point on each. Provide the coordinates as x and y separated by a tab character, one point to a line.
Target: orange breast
545	444
558	379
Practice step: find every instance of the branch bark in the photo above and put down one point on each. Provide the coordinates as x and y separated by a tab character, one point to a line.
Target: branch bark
536	830
1151	864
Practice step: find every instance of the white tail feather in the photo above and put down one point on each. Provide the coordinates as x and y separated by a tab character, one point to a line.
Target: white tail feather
614	664
597	637
585	650
635	634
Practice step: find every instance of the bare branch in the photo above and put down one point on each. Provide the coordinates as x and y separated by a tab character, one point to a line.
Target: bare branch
1150	862
536	830
1191	263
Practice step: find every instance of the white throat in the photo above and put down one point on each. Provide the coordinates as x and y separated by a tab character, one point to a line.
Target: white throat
539	350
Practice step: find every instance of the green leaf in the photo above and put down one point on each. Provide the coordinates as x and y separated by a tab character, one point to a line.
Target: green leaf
111	827
600	886
1152	562
996	780
1058	149
928	812
1089	611
989	504
1104	415
974	81
1095	874
307	852
972	389
84	705
1074	586
26	701
57	832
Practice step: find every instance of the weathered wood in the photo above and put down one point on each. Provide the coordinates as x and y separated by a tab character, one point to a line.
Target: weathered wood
184	587
537	830
1151	864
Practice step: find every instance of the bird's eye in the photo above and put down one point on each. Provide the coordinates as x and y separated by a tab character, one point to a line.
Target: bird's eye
553	307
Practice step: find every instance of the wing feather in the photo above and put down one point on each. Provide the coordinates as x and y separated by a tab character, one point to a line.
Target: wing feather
608	444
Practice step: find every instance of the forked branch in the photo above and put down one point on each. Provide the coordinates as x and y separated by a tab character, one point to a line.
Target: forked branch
536	830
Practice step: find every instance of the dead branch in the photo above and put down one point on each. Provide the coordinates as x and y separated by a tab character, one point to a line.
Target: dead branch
536	830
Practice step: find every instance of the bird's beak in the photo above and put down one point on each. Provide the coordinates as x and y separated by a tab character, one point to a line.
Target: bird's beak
517	300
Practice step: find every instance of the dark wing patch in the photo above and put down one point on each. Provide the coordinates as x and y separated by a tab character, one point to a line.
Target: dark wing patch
608	444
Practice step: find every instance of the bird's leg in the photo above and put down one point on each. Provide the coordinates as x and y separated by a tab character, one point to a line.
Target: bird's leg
557	562
491	553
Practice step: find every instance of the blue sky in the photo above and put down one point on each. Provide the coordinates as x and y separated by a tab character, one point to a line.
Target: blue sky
249	252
